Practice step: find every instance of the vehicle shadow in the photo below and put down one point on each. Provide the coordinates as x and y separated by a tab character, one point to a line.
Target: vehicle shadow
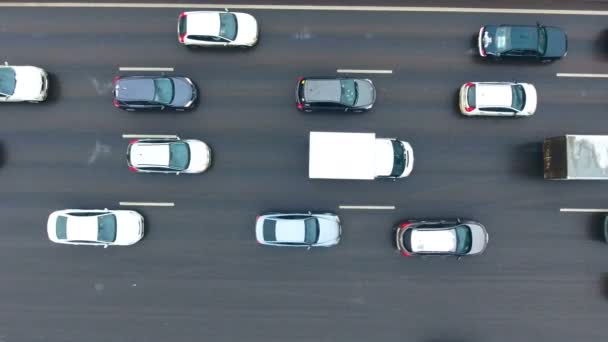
600	46
3	154
54	88
527	159
604	285
595	228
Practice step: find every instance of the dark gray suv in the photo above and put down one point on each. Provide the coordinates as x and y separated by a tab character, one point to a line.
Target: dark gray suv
335	94
154	93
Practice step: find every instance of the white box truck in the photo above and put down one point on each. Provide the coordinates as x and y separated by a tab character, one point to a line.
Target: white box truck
576	157
336	155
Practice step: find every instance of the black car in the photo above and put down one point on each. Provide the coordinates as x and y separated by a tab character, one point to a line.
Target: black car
335	94
154	93
538	42
441	237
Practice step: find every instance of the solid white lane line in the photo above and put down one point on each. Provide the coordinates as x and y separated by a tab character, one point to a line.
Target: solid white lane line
368	207
148	204
364	71
151	136
144	69
563	74
582	210
464	10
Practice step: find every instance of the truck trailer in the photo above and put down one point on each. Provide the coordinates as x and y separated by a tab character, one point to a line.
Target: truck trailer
576	157
338	155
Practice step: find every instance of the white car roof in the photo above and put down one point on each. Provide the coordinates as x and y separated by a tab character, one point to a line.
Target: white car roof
203	23
289	230
493	95
149	154
433	240
82	228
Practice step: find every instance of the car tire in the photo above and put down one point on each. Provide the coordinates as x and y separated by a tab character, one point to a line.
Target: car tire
546	61
129	109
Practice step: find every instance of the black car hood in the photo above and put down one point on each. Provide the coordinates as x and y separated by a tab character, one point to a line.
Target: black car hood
557	42
184	92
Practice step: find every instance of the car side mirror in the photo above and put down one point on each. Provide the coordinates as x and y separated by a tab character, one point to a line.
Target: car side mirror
459	257
226	10
162	107
6	63
105	246
308	248
177	173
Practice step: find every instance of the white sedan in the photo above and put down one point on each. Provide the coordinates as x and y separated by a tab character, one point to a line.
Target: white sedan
497	99
23	84
95	227
207	28
298	229
168	155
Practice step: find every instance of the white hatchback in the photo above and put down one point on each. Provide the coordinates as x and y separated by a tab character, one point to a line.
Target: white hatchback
23	84
95	227
205	28
168	155
497	99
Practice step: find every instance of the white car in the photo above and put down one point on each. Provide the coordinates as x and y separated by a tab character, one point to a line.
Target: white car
206	28
23	84
168	155
497	99
298	230
95	227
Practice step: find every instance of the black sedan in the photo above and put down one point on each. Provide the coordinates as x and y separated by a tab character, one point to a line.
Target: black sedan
335	94
154	93
441	237
543	43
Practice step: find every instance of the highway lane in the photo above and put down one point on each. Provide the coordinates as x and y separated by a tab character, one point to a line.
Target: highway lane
199	274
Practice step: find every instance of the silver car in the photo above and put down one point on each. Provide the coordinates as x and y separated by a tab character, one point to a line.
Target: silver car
298	229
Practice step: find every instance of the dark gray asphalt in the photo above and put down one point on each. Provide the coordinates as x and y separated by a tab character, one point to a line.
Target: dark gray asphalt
198	275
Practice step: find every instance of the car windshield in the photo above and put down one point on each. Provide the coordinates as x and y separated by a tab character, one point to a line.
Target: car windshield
348	92
311	230
518	97
163	90
107	228
7	81
398	159
179	155
228	26
463	239
503	39
61	227
542	40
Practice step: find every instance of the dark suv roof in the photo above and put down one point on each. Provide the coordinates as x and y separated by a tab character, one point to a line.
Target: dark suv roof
321	90
136	89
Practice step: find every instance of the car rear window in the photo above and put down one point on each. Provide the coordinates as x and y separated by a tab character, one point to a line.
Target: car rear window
60	228
407	239
471	97
270	232
7	81
183	23
107	228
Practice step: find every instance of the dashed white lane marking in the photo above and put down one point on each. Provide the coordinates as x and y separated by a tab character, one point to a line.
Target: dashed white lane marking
151	136
464	10
563	74
364	71
582	210
145	69
368	207
148	204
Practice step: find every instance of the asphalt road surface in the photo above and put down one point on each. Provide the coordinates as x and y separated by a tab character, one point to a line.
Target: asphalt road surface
199	275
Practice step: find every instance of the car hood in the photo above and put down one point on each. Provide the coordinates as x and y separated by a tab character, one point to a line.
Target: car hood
531	99
329	231
366	93
557	42
479	238
247	30
129	227
51	226
200	156
185	92
29	82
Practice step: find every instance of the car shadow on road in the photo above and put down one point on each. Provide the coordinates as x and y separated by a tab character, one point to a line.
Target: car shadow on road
3	154
595	228
600	46
527	160
604	285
